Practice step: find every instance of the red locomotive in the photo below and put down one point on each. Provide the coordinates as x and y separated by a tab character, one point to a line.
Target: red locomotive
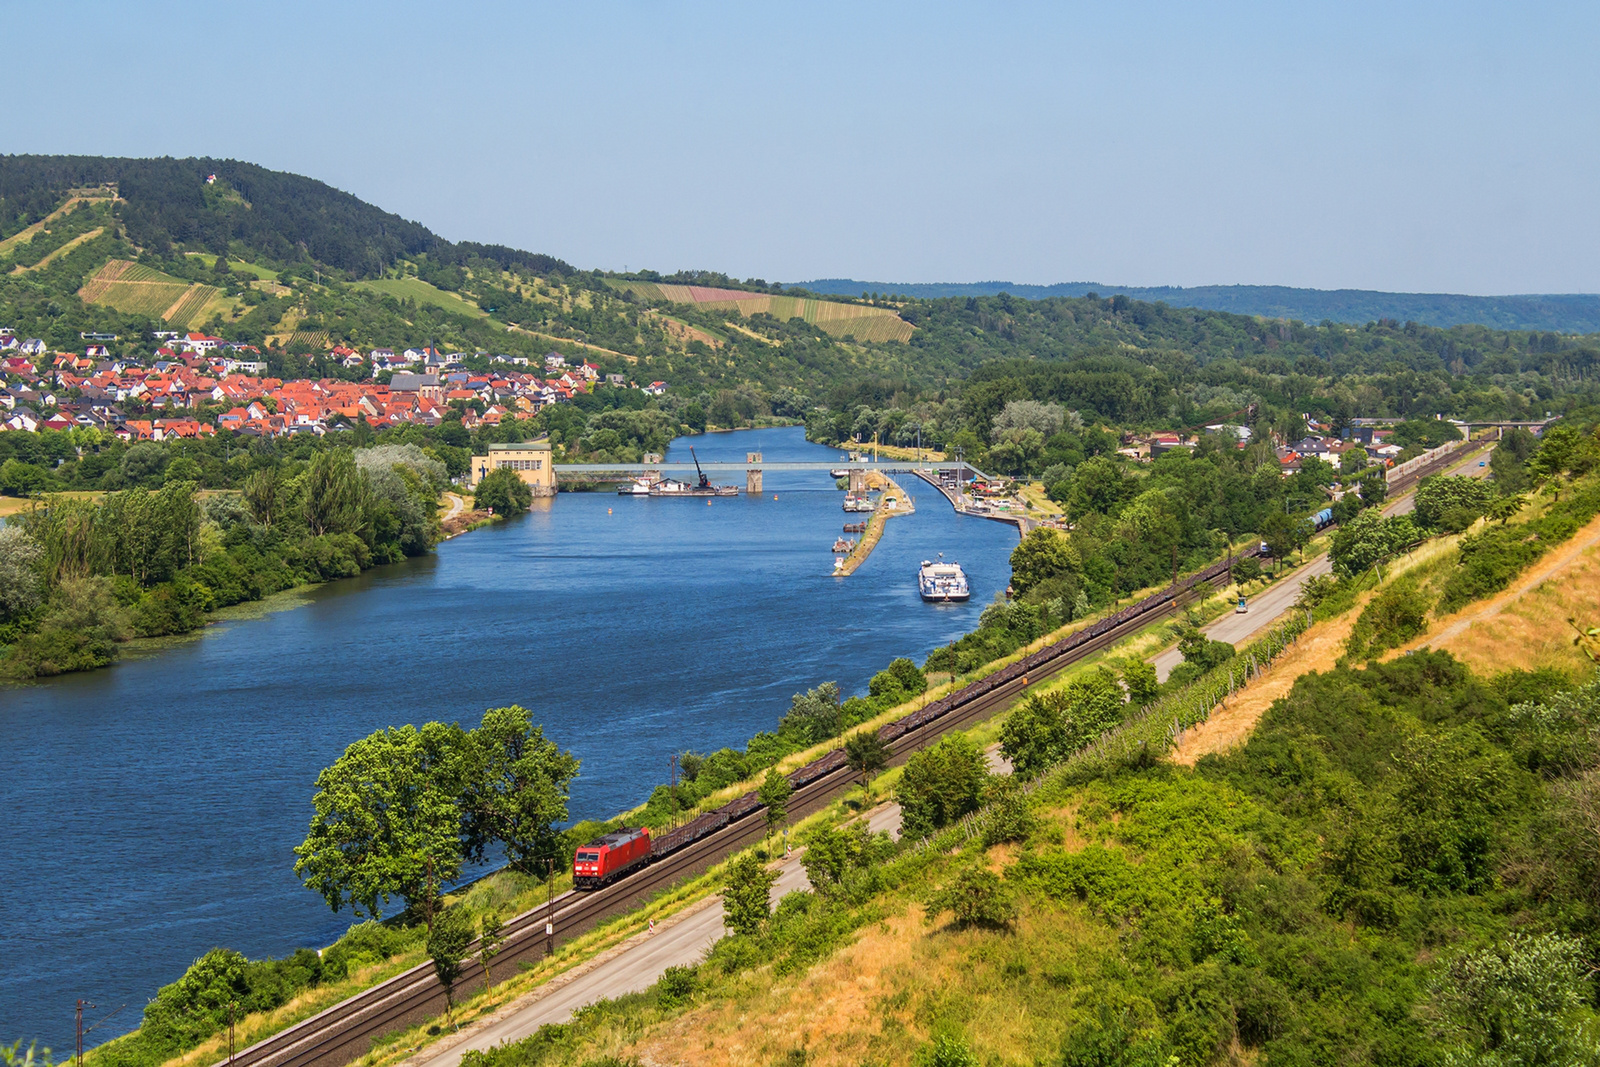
608	858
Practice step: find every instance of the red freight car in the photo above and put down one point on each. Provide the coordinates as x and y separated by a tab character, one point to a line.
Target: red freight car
608	858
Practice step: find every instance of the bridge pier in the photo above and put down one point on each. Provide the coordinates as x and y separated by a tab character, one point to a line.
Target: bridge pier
752	477
858	480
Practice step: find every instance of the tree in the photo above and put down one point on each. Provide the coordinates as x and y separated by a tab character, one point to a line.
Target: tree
774	793
1277	530
974	897
515	789
899	681
447	944
491	936
747	894
1246	569
1139	678
865	753
261	492
1452	503
1051	726
182	469
1042	555
1525	1001
335	494
833	855
22	479
1369	539
813	715
21	582
386	821
503	491
940	785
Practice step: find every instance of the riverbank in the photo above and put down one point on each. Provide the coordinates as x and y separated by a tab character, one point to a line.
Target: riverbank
691	626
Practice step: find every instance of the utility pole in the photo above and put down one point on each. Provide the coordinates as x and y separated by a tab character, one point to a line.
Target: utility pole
81	1005
549	911
233	1006
674	789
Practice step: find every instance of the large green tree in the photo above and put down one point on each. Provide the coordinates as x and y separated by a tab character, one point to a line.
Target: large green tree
1042	555
747	894
516	785
387	822
503	491
940	785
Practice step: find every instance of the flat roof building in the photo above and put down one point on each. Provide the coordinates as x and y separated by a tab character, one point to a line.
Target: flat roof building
530	460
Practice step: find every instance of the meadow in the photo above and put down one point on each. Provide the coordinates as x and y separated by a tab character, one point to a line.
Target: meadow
860	321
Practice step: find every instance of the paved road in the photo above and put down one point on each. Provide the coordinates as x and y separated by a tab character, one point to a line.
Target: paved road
1270	604
637	968
1468	468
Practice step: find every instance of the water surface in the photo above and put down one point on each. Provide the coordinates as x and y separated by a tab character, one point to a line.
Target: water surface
151	809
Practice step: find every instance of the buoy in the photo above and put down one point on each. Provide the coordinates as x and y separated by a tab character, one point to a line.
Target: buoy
708	503
608	511
774	496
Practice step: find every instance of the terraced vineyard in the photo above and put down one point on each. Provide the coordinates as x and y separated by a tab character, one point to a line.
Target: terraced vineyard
139	290
841	320
191	305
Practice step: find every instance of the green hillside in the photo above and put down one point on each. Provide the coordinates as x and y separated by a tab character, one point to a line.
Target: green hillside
293	266
1562	312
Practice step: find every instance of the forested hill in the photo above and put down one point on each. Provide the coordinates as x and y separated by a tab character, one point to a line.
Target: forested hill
1563	313
163	202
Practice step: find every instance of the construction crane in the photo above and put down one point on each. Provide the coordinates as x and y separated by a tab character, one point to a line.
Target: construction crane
705	483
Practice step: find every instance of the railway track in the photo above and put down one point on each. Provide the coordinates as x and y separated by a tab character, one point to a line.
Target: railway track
347	1030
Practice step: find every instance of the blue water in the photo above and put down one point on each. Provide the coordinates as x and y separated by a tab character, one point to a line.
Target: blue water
150	810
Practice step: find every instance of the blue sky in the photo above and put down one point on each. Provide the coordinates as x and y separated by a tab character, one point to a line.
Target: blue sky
1435	147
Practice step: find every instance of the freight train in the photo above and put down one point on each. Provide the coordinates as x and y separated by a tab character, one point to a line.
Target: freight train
603	860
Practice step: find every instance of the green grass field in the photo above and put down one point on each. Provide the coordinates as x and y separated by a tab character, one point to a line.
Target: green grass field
423	293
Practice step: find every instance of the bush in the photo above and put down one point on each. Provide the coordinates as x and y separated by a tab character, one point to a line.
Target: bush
1395	616
676	986
940	785
975	897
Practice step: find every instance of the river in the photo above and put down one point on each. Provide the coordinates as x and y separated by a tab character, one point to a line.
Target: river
151	809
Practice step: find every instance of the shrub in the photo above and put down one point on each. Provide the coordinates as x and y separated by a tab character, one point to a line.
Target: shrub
940	785
503	491
975	897
676	986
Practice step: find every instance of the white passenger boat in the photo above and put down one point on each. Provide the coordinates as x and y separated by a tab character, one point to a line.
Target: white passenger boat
942	582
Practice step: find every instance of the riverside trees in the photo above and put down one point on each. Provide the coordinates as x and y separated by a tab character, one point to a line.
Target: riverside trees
78	575
401	809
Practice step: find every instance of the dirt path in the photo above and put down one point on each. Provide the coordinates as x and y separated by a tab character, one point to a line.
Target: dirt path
1491	634
456	504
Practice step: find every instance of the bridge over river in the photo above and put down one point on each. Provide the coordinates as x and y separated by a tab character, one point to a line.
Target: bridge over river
753	466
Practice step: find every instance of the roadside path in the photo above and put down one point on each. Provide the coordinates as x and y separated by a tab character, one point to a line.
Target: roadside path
633	966
1269	605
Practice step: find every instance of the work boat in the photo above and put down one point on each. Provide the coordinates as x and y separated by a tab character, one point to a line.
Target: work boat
637	487
942	581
